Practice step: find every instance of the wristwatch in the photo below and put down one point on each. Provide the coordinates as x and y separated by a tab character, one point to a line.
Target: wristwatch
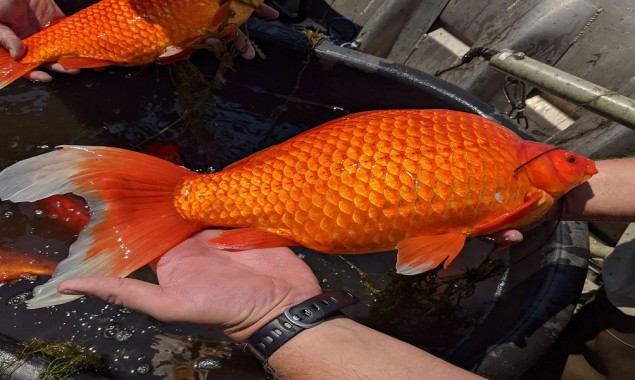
295	319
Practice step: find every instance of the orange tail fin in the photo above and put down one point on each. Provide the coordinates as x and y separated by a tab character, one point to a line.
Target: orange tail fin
10	70
131	198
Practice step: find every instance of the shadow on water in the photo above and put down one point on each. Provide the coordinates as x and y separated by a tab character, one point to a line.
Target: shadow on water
495	325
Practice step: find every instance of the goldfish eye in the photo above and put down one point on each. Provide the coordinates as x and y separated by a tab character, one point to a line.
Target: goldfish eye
570	158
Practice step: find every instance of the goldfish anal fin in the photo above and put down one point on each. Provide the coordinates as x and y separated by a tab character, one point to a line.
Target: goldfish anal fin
421	253
133	218
509	218
83	63
241	239
11	70
177	53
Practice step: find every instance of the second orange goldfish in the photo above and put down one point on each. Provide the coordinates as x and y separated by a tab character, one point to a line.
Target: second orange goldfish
420	181
127	32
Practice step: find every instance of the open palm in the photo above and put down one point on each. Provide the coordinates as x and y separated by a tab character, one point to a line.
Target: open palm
235	291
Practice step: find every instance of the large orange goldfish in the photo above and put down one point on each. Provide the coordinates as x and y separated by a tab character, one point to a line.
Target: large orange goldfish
127	32
421	181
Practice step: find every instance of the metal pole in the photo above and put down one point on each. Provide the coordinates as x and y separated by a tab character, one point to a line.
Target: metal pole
579	91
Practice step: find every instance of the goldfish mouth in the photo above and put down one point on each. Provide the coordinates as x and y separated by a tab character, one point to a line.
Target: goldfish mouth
590	170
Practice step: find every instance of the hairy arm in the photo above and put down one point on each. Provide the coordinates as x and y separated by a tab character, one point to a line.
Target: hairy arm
341	348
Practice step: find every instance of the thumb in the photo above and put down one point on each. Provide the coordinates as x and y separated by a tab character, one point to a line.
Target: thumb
10	41
134	294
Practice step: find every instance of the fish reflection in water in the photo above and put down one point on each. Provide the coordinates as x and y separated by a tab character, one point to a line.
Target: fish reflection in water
15	265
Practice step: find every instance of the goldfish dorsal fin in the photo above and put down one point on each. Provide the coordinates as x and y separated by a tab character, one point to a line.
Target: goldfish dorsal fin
421	253
509	218
241	239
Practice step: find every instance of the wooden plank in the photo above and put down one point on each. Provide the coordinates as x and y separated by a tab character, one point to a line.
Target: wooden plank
360	11
423	17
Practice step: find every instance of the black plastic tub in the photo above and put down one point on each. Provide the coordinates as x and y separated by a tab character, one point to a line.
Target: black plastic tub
497	327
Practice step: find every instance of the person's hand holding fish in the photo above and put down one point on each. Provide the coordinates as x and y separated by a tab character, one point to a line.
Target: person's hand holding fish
248	289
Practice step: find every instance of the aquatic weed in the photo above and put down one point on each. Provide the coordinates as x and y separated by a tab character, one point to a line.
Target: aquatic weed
413	304
66	359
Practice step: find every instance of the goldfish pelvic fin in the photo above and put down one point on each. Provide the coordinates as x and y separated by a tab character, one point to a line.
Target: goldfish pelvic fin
220	17
241	239
83	63
11	70
131	198
176	53
509	218
421	253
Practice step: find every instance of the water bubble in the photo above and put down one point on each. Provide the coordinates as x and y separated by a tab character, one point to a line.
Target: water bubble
8	214
143	369
110	331
18	299
207	364
123	335
302	256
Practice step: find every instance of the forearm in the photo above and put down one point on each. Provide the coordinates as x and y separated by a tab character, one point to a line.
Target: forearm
342	348
609	195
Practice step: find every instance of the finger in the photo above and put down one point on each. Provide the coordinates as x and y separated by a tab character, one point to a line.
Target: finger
266	11
38	76
134	294
507	237
11	42
60	69
242	44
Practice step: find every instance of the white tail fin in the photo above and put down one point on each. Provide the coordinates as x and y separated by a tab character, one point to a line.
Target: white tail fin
131	198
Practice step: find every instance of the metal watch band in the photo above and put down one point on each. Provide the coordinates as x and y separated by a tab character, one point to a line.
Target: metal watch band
264	342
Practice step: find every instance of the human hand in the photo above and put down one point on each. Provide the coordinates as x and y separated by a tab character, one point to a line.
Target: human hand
238	292
22	18
510	236
240	40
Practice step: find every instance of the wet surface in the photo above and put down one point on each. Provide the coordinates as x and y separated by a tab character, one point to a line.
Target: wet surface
261	103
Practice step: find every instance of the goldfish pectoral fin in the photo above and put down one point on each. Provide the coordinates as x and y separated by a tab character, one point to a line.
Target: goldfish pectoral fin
509	218
133	218
83	63
11	70
421	253
249	238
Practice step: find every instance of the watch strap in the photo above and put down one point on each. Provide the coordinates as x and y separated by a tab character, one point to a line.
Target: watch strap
295	319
